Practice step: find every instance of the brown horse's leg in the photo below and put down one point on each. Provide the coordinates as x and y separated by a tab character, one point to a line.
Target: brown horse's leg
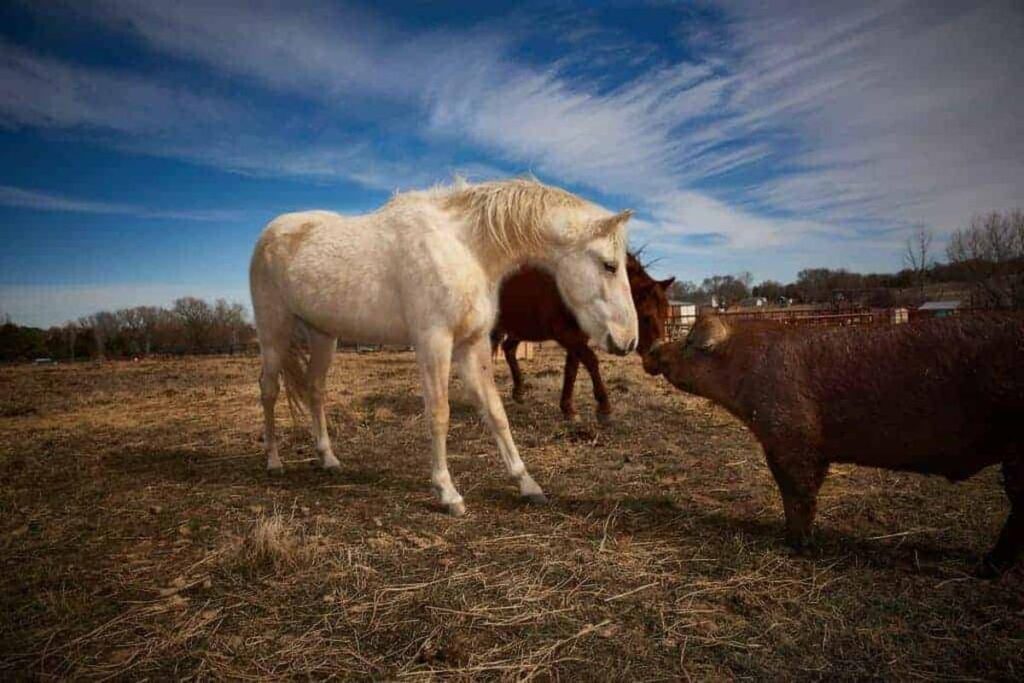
509	346
496	337
572	366
590	362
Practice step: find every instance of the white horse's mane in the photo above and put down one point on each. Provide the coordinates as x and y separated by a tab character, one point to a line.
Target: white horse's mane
508	214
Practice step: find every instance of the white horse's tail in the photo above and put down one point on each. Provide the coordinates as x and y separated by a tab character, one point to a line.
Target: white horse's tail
295	370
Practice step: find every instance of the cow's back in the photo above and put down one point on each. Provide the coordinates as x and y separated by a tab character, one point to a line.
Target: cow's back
937	396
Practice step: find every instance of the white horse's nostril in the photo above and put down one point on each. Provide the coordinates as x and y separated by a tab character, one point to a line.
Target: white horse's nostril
613	347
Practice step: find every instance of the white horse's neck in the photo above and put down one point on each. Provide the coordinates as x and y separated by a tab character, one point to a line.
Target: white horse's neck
508	223
498	263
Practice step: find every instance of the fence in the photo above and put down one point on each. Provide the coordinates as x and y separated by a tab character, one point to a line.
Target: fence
678	324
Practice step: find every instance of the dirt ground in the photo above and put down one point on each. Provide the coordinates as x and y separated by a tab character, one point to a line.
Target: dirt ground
141	538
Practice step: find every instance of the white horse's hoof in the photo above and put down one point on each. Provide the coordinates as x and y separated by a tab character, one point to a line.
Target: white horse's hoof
276	471
333	469
535	498
456	509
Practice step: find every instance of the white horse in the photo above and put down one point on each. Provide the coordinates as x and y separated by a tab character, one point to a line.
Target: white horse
424	270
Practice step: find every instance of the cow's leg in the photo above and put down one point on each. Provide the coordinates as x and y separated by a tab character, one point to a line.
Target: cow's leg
593	366
1011	539
434	356
509	347
321	353
572	366
477	373
799	477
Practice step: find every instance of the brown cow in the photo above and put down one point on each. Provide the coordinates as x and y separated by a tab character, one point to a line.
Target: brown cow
937	397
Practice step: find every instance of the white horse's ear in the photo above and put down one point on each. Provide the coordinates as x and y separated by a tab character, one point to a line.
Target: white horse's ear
606	226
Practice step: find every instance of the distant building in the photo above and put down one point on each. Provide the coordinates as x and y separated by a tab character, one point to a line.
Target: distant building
681	316
940	309
752	302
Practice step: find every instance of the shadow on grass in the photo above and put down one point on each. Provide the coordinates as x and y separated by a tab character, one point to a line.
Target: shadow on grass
653	516
669	519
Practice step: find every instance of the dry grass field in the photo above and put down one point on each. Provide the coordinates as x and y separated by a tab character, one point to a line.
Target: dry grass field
140	538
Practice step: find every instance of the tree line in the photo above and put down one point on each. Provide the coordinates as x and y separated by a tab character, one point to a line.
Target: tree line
190	325
986	257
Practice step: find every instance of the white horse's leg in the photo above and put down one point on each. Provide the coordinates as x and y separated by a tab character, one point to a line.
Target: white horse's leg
321	353
434	355
269	389
477	372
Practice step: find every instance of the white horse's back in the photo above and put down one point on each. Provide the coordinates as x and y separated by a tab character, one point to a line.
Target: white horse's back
335	273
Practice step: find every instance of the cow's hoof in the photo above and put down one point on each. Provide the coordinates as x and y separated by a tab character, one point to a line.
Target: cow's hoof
457	509
535	498
990	568
798	545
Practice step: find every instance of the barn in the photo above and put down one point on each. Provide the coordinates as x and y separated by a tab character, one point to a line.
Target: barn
939	309
681	316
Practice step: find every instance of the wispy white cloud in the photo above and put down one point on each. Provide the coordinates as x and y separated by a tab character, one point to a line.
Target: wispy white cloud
45	201
904	114
317	50
858	116
44	92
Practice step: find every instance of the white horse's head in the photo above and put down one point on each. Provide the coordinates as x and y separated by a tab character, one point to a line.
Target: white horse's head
589	265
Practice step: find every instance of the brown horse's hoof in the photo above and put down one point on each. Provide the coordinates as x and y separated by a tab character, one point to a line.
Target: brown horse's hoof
571	417
518	397
604	418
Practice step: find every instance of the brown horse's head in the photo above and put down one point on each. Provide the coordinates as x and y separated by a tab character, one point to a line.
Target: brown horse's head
650	297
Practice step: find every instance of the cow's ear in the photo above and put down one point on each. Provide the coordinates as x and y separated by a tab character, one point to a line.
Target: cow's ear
707	333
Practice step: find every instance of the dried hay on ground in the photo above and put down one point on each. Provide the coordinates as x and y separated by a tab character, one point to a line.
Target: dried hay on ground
139	537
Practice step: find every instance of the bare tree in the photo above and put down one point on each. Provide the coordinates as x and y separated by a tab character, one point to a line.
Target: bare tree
230	328
685	290
917	256
197	317
138	325
104	327
70	330
991	249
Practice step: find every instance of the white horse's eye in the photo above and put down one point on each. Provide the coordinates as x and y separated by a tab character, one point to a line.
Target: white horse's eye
611	268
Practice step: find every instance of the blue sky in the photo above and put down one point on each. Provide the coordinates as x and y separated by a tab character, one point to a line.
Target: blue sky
146	144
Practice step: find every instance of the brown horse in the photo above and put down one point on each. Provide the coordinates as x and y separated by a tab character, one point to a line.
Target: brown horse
531	309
